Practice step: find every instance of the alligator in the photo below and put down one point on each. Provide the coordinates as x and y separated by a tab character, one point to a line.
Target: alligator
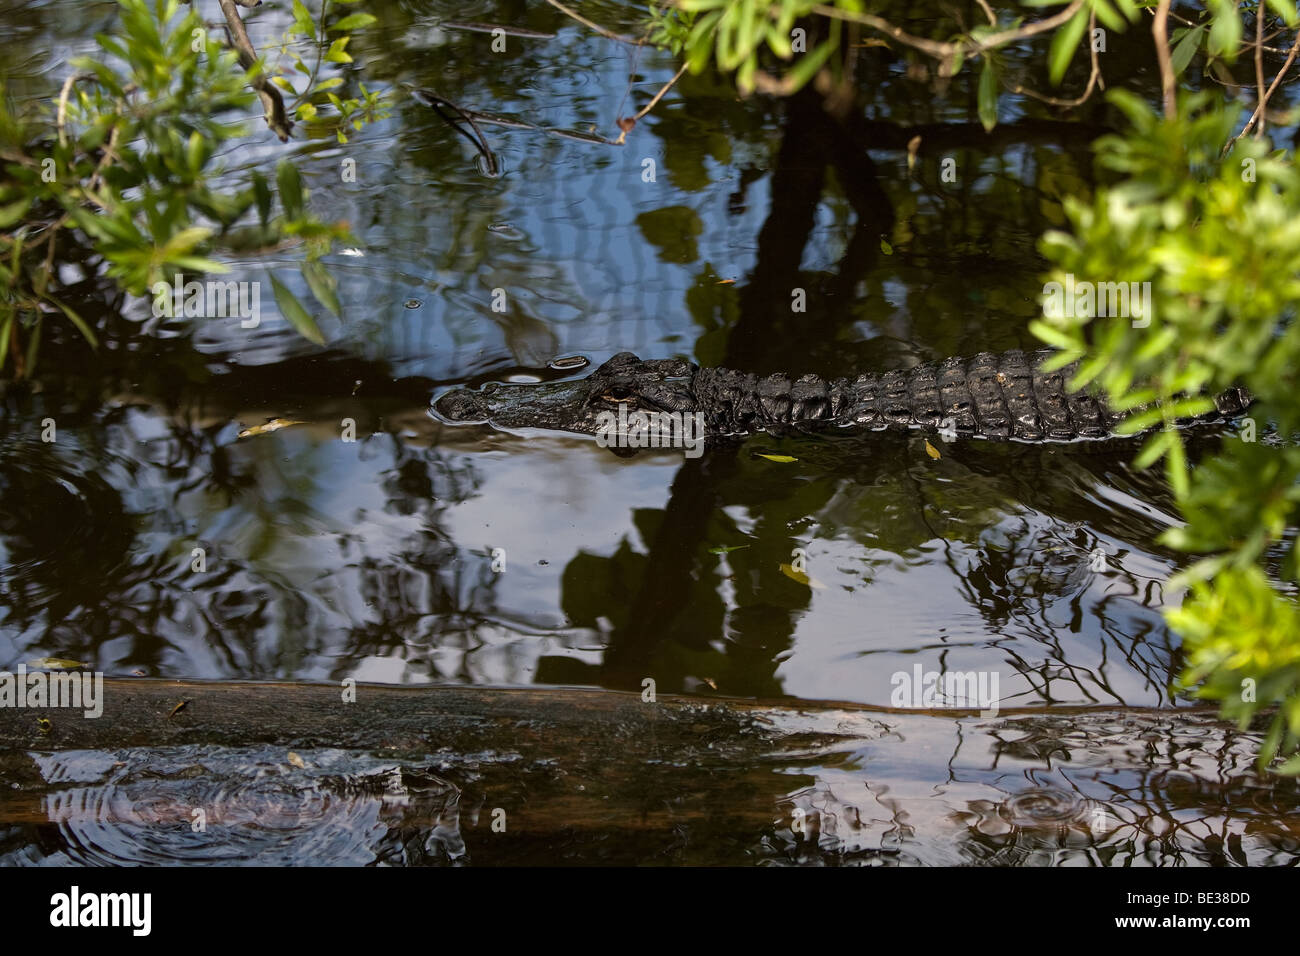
997	396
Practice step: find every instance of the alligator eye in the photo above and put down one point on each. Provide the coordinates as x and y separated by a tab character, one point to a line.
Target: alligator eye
619	393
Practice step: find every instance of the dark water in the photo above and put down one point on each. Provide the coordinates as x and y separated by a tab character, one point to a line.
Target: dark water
373	559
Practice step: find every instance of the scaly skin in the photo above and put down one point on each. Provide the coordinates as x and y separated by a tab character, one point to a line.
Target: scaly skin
1003	396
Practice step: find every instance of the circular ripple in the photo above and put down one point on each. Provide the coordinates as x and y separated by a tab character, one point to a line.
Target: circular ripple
227	808
1042	808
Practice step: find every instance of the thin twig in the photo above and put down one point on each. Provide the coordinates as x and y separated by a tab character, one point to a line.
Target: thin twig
436	102
1259	64
988	12
608	34
649	106
1263	100
62	118
1093	78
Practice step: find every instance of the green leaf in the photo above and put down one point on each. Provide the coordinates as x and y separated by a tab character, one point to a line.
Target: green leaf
1186	48
1064	44
337	52
354	21
13	212
1284	9
1052	335
76	320
302	20
295	314
262	196
1225	30
5	334
1108	15
988	95
807	65
322	285
289	181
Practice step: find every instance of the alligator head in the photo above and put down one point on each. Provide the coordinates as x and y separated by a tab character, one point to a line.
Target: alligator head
655	385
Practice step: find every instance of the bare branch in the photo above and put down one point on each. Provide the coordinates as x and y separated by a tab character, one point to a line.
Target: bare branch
1160	31
1094	78
1259	64
626	125
1263	100
272	103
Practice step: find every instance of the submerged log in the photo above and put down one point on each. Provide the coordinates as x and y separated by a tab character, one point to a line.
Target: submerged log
291	773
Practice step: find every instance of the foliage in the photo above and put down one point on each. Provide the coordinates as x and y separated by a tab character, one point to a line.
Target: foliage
353	112
732	33
1217	239
738	35
127	161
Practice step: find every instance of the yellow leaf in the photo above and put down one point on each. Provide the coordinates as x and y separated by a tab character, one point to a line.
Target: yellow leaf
931	450
273	425
55	663
783	459
802	578
297	761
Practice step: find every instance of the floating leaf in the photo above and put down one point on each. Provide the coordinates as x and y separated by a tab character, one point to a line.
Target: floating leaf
297	761
274	425
177	709
56	664
782	459
886	248
794	575
931	450
727	548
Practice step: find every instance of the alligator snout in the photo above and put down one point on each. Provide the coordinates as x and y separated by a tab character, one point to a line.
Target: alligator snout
462	405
